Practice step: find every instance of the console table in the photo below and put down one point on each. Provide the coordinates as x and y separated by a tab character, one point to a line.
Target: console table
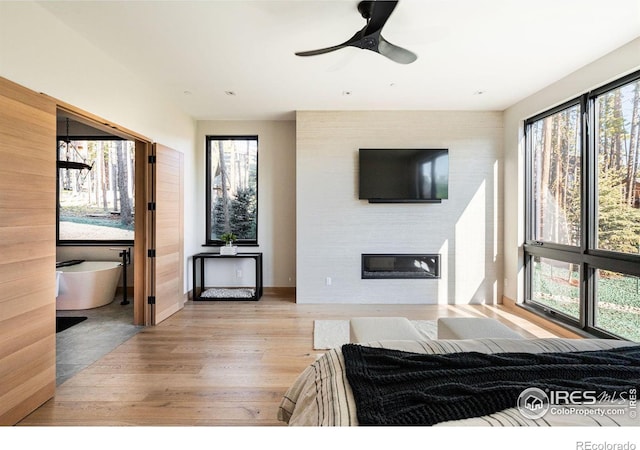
198	268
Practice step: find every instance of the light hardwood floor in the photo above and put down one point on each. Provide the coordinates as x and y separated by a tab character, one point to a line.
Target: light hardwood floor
218	363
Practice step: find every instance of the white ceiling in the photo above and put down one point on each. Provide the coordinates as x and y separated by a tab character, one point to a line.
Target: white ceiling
195	51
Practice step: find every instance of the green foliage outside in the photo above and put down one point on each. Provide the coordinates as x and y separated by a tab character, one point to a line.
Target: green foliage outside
618	222
106	222
242	215
618	298
551	287
618	308
92	216
559	202
102	197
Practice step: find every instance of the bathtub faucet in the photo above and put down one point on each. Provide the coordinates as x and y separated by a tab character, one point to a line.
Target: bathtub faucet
125	254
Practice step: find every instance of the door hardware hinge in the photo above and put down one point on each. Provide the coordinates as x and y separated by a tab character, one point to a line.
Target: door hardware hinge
152	159
151	300
151	206
151	253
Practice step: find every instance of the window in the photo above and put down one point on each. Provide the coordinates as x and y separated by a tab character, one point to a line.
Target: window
618	180
582	250
555	143
95	191
232	188
556	284
617	308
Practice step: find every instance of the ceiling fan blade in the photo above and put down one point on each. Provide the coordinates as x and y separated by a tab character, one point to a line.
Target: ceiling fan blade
395	53
321	50
355	38
377	13
369	38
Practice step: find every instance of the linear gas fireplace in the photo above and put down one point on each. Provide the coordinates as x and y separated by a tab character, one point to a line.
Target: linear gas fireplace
401	266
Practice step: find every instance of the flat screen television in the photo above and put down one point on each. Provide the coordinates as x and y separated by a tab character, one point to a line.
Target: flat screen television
404	175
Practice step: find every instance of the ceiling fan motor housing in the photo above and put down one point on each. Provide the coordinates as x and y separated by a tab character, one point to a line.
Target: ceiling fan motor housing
365	8
369	43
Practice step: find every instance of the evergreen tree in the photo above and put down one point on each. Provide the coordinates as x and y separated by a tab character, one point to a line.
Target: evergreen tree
618	223
243	214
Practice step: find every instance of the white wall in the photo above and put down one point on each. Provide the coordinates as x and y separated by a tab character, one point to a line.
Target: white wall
45	55
334	228
620	62
276	203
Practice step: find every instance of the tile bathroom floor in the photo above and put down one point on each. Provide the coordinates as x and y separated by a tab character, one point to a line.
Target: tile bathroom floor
81	345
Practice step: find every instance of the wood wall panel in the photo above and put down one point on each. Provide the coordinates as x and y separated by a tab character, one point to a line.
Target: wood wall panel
24	303
28	359
169	240
27	246
13	216
142	235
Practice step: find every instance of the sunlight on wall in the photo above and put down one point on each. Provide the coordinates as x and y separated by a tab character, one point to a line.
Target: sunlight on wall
443	282
494	299
470	248
496	208
334	227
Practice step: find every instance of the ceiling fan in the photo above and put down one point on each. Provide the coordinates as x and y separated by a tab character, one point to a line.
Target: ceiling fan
369	37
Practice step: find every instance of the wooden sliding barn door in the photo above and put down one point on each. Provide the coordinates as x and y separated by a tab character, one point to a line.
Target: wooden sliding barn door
166	256
27	251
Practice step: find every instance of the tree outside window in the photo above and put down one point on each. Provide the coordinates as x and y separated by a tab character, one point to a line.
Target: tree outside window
618	159
583	211
96	191
555	146
232	188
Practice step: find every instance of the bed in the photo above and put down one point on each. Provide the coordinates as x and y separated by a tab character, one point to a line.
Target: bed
322	395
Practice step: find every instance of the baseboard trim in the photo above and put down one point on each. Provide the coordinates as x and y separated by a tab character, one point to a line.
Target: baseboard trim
284	291
542	322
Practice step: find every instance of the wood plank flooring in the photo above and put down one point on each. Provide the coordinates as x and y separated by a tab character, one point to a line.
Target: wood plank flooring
218	364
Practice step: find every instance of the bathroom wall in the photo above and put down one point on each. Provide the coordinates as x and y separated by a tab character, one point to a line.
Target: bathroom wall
97	254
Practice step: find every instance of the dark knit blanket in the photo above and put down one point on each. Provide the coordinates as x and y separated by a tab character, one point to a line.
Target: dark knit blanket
392	387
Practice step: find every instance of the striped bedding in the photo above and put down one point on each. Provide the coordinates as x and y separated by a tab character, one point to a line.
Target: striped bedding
321	395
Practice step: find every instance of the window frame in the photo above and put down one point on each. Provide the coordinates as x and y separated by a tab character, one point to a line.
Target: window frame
587	256
85	242
208	184
529	213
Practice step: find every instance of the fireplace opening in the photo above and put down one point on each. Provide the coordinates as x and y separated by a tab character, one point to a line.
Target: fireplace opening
400	266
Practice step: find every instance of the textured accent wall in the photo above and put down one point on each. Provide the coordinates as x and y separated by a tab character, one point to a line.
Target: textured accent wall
334	228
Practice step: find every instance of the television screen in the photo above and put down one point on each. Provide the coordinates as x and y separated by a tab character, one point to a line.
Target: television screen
404	175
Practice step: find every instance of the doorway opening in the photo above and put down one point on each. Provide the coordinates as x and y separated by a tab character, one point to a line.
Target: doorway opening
101	179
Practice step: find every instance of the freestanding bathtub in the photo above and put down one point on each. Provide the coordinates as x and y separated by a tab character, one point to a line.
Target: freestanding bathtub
87	285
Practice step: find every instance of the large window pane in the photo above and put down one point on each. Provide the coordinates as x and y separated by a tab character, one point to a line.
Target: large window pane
232	180
618	304
95	190
555	284
555	150
599	230
618	122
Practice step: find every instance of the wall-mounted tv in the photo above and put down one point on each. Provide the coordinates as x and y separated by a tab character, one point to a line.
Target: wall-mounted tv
404	175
